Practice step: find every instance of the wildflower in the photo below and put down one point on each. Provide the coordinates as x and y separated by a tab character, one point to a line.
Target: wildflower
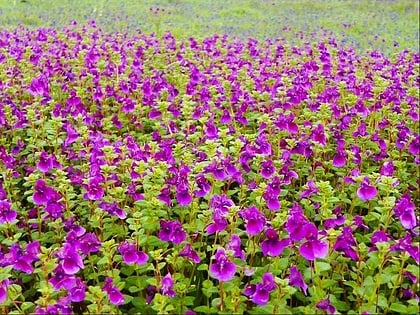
114	294
71	260
296	280
260	293
313	248
387	169
222	268
6	213
267	169
405	211
345	243
272	199
94	191
113	209
131	255
42	192
183	196
62	280
190	253
3	290
311	190
45	162
272	246
167	286
172	231
78	292
325	305
255	220
366	191
235	245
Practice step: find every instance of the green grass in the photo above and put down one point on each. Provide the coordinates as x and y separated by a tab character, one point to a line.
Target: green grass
363	23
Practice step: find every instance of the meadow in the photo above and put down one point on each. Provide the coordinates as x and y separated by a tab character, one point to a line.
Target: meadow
209	157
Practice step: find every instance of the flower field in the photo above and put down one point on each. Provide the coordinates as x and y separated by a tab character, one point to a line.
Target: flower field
146	174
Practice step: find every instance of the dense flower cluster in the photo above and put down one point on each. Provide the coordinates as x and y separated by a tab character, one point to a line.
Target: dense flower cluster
149	175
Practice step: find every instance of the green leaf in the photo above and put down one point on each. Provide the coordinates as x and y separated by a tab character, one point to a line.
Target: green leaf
399	308
322	266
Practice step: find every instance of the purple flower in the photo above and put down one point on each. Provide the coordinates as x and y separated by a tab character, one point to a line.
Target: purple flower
6	213
131	255
183	197
172	231
405	211
311	190
340	159
235	246
267	169
94	191
45	162
272	246
62	280
387	169
167	285
190	253
89	243
71	260
255	220
325	305
272	199
3	290
260	293
113	209
114	295
346	243
313	248
296	279
222	268
78	292
42	192
366	191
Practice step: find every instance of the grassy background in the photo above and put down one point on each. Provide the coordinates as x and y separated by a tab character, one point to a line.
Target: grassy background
387	25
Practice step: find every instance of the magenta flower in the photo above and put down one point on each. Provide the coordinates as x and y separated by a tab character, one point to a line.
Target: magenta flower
272	199
311	190
94	190
183	197
167	285
366	191
62	280
325	305
340	159
89	243
255	220
45	162
114	294
3	290
235	246
222	268
346	243
296	279
172	231
405	211
42	192
131	255
260	293
267	169
387	169
272	246
78	292
71	260
6	213
190	253
313	248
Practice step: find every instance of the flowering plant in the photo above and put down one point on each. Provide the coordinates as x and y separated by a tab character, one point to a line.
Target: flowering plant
149	175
